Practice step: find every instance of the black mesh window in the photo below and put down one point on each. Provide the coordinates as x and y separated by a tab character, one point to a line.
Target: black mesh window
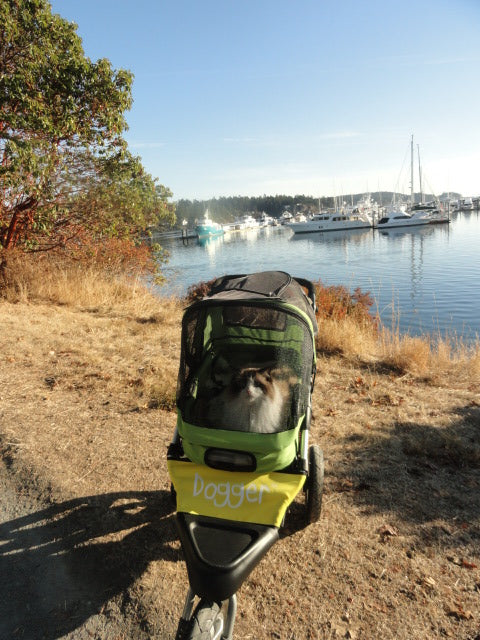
254	378
259	318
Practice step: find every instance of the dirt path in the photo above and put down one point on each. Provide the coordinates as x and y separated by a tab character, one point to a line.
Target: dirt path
88	547
49	588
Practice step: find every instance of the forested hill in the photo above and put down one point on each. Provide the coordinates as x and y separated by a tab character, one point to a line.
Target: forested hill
225	209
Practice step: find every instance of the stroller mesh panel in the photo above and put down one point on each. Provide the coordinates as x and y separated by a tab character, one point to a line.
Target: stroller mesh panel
244	368
254	317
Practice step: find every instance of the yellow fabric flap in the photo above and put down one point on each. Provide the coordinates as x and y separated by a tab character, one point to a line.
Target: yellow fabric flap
259	498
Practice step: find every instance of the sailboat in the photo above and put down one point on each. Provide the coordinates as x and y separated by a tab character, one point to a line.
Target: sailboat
415	215
432	209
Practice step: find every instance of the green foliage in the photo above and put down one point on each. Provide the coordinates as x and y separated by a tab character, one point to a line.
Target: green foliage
64	166
110	196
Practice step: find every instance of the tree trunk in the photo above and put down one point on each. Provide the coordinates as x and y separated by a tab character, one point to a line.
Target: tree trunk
10	238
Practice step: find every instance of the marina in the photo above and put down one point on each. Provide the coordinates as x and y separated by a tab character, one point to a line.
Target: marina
424	279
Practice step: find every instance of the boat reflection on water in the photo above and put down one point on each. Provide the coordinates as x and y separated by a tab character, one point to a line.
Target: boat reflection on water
240	236
243	235
209	242
399	232
211	246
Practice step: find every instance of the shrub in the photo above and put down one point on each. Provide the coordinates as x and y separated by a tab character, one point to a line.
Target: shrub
336	302
114	256
198	291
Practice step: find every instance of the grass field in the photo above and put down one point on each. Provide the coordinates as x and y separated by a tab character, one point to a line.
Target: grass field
87	385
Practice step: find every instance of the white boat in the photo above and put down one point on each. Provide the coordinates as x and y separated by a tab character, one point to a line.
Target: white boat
337	221
416	214
342	238
246	221
435	214
300	217
249	222
366	207
398	218
453	205
266	220
466	204
286	217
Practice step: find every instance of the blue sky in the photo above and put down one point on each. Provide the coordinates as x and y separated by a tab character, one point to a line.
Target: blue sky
314	97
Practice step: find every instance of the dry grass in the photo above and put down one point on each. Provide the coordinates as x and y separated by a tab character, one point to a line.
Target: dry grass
99	324
346	337
395	555
53	280
425	356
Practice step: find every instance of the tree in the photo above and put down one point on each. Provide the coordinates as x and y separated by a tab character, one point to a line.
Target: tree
103	197
64	166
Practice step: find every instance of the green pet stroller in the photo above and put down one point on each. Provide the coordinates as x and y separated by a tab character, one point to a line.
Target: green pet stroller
240	453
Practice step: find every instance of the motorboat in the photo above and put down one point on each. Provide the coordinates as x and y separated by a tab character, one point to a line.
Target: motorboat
208	228
466	204
246	221
353	236
286	217
266	220
300	217
249	222
337	221
366	207
435	214
399	218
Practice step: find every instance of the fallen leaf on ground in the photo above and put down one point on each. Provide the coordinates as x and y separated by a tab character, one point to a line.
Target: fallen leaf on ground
429	582
458	612
344	485
387	530
468	565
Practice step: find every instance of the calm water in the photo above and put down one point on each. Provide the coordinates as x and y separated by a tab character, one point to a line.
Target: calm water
428	278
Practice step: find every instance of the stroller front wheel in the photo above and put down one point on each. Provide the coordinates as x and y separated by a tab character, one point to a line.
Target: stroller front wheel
205	624
314	484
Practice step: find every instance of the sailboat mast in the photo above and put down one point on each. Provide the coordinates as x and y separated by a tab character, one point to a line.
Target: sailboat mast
420	174
411	173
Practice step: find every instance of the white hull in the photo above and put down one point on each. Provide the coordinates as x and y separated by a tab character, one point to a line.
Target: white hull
395	224
246	222
333	222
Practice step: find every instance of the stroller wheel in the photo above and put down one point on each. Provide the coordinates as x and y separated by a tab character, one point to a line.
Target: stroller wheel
206	622
314	484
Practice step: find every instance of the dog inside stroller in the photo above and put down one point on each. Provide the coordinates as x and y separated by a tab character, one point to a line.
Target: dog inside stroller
240	453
